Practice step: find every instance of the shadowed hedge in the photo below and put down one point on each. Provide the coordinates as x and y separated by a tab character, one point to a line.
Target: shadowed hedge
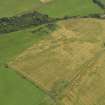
16	23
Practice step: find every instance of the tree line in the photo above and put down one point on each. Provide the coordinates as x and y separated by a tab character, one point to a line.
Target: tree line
16	23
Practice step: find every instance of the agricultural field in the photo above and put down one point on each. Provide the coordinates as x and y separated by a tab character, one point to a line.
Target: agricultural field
69	64
70	8
52	52
14	7
14	88
54	8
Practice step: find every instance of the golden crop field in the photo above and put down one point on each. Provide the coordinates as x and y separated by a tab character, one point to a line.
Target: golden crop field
69	64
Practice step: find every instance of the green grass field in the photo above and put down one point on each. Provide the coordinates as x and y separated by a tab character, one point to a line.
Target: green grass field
56	8
13	7
70	8
17	91
14	90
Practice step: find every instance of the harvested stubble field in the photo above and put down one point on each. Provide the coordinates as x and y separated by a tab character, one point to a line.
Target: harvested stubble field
69	64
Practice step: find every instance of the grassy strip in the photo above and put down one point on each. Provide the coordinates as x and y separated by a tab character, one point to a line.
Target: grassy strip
14	89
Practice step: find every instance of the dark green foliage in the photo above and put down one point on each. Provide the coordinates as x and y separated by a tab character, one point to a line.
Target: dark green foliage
16	23
99	3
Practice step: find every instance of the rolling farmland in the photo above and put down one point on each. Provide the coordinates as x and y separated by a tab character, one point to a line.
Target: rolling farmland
52	52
